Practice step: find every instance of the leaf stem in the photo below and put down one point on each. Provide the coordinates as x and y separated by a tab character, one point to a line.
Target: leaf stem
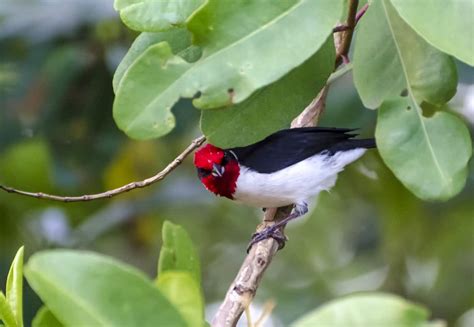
361	12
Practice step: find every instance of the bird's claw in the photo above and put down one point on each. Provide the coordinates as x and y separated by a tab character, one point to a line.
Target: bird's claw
273	232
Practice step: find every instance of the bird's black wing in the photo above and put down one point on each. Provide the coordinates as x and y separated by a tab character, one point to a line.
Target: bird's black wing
287	147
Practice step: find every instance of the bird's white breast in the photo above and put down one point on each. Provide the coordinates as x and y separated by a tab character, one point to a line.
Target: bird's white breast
295	183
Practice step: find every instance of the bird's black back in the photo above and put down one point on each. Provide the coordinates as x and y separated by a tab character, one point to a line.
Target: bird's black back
289	146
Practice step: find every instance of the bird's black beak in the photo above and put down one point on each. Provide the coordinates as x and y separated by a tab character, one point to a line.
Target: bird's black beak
217	170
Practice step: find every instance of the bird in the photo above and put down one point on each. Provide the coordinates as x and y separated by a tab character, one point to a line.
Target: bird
288	167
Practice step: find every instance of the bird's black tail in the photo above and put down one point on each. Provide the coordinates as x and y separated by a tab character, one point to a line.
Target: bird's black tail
351	144
363	143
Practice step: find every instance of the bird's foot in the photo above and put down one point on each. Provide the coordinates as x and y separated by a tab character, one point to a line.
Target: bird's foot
300	209
273	232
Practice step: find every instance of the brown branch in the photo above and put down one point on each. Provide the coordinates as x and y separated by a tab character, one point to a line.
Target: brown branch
340	28
345	27
343	49
125	188
244	287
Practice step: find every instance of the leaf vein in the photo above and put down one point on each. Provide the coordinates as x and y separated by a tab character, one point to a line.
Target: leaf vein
410	91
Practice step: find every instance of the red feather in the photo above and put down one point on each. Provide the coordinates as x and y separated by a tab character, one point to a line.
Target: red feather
205	158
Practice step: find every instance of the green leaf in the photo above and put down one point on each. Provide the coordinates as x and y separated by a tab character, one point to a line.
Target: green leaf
156	15
276	104
87	289
6	313
179	274
446	24
363	310
178	252
14	289
420	150
389	58
234	64
184	292
45	318
392	62
139	110
179	39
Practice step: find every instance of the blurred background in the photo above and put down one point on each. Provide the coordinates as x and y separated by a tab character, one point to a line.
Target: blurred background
57	135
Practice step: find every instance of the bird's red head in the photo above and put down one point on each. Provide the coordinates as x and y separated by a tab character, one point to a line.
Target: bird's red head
217	169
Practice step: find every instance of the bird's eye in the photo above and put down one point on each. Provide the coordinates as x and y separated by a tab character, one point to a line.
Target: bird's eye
203	172
225	159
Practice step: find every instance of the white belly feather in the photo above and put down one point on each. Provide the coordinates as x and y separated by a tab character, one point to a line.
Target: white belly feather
294	184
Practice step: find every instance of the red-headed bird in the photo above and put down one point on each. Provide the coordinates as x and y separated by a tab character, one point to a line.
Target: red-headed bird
287	167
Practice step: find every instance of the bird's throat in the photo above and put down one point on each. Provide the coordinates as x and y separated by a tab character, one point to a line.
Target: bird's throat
226	184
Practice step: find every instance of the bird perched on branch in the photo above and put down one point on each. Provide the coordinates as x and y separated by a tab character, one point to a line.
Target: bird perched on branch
287	167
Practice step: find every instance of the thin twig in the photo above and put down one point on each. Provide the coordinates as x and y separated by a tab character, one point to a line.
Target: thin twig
343	49
340	28
125	188
244	287
345	27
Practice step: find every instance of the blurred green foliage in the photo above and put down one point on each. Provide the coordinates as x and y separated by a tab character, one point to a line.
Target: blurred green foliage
57	134
84	288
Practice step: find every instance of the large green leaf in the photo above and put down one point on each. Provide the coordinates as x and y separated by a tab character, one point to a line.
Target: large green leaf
179	274
178	252
234	64
14	291
392	62
182	290
86	289
429	155
179	39
389	58
446	24
45	318
156	15
6	313
366	310
276	104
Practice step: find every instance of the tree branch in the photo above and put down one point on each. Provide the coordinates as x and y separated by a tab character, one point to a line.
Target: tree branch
352	18
125	188
345	27
244	287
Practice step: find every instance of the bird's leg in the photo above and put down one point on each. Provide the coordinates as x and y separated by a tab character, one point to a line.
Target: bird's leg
275	231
